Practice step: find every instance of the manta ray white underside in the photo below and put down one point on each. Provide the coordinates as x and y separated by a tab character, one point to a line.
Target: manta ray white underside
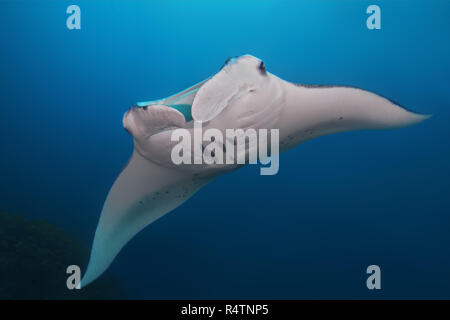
241	95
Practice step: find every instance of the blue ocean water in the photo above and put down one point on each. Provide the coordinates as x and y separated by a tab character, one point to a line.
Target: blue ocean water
338	204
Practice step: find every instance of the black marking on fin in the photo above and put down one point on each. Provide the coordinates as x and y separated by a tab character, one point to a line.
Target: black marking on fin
228	60
262	68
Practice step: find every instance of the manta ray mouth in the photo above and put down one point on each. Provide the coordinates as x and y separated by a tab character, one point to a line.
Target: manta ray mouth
181	101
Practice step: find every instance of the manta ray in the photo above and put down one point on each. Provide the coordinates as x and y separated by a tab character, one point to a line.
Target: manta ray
241	95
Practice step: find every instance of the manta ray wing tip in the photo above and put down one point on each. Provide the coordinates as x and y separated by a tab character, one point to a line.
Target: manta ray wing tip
418	117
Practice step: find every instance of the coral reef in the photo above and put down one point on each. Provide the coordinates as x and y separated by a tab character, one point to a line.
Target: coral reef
34	256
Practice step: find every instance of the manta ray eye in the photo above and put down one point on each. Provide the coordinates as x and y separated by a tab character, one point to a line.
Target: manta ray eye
262	68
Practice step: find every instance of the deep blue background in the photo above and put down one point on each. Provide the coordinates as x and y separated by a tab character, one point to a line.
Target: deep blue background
338	204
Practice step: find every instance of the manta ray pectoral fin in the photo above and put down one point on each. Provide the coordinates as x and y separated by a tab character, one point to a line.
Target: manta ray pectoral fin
143	192
318	110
